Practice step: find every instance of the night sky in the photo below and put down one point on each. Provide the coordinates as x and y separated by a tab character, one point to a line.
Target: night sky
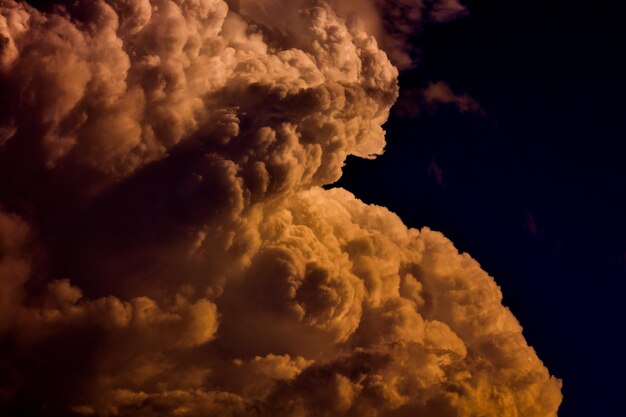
534	187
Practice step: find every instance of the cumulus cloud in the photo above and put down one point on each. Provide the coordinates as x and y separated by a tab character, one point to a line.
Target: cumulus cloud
166	247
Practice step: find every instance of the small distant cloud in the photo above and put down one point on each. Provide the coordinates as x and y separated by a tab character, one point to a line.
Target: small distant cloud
620	259
432	97
447	10
436	173
440	93
530	224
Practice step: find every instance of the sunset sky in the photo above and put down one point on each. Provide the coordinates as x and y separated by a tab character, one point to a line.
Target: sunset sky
310	208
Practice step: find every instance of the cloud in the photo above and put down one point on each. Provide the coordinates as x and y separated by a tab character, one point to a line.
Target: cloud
440	93
530	224
166	247
434	96
436	173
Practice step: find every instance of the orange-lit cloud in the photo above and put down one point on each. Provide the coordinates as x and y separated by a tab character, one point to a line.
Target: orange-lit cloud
166	247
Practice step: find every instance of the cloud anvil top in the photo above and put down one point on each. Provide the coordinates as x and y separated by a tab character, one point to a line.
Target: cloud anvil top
167	248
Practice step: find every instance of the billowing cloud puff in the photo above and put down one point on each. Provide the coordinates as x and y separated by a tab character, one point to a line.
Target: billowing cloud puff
105	88
432	334
166	248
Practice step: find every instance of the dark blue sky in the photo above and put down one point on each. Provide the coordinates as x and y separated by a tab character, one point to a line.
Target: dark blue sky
535	190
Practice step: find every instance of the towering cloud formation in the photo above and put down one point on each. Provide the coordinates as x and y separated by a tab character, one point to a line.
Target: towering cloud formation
166	248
